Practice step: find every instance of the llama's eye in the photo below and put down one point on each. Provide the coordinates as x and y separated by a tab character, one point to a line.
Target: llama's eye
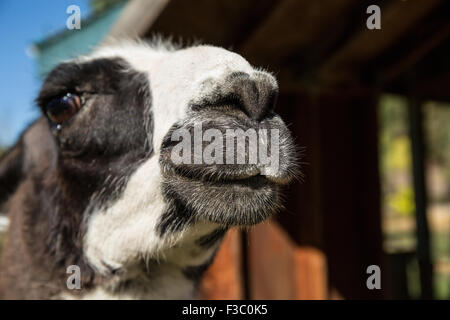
61	109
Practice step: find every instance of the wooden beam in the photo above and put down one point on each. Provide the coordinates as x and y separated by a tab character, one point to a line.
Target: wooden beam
349	189
414	56
302	217
434	88
136	19
292	26
397	17
427	78
337	208
413	50
219	22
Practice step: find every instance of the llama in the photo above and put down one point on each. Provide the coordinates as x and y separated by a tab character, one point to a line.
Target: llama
91	183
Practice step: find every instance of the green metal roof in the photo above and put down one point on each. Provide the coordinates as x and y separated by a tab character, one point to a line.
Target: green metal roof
68	44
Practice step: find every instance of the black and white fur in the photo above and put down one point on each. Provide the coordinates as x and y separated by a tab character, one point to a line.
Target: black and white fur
100	192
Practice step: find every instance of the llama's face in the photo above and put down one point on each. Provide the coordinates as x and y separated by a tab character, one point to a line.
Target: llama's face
117	117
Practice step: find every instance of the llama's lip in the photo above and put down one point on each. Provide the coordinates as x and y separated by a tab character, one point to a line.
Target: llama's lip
227	174
250	182
223	173
239	202
219	176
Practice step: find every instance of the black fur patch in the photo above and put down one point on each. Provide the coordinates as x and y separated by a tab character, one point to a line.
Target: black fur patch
195	272
177	216
211	239
11	171
104	144
89	158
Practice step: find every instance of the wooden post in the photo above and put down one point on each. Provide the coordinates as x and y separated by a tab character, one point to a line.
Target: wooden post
224	279
281	269
423	233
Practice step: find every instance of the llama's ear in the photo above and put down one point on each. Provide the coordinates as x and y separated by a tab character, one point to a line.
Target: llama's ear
11	171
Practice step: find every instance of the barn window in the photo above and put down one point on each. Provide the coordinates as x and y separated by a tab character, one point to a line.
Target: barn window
415	151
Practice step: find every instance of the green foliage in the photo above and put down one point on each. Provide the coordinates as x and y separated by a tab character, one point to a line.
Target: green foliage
413	276
402	201
437	126
394	135
396	161
442	285
396	156
438	131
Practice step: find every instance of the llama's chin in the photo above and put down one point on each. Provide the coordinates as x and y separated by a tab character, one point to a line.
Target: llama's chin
238	202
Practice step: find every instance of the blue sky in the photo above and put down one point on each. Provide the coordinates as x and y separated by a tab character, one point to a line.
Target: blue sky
23	22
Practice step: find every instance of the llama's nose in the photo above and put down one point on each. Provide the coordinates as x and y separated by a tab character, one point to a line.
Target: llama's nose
256	93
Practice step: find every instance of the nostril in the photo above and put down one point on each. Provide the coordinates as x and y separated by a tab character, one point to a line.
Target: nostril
257	92
272	100
220	101
254	95
259	98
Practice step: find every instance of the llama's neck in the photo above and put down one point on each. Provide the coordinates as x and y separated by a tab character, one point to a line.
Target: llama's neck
174	274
